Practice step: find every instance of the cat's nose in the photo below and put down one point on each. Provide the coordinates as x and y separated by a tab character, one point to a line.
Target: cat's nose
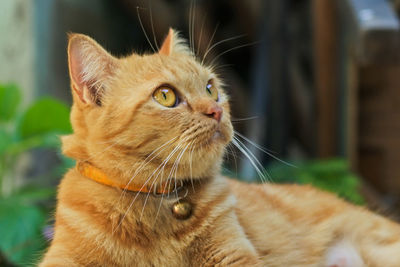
214	112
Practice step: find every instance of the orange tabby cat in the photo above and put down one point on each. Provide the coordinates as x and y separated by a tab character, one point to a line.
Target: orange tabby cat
149	135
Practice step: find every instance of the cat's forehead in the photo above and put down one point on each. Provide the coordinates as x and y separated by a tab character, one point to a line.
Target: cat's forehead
178	70
186	70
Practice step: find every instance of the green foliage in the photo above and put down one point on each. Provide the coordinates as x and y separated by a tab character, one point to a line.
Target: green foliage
23	209
37	120
331	175
9	99
20	228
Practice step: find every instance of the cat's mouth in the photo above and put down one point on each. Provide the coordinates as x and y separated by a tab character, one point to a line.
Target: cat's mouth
216	135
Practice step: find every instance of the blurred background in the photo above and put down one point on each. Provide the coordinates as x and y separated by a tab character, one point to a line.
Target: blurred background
313	83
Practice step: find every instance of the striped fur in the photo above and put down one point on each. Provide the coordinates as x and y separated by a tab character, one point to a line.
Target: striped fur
119	128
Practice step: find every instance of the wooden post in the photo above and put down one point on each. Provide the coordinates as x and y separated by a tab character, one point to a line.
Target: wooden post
326	78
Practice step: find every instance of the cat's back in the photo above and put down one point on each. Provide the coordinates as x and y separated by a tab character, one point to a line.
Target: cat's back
288	223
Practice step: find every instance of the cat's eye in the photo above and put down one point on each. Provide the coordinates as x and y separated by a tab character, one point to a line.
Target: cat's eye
165	96
212	91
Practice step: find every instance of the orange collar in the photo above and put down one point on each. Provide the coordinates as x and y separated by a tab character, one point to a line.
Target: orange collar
94	173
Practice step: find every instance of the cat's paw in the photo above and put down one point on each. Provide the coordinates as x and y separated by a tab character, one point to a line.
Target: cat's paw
343	254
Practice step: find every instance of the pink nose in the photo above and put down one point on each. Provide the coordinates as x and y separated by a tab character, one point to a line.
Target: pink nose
214	112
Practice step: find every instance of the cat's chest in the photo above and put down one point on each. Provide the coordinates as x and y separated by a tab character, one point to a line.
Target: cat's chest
139	229
156	228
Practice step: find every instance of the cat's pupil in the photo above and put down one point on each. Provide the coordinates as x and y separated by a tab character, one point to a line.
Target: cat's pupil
208	88
164	95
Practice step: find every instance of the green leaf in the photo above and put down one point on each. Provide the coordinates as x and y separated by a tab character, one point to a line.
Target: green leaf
33	194
5	141
20	230
10	97
45	116
48	140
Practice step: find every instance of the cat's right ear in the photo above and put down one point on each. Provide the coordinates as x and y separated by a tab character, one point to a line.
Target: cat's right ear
90	67
173	44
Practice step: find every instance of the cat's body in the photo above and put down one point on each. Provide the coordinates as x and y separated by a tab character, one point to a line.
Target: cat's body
282	225
124	133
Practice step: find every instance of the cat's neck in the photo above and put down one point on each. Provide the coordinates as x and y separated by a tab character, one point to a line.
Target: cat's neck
94	173
121	209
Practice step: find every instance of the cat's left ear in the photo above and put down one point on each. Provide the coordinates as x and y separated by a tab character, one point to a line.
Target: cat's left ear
173	44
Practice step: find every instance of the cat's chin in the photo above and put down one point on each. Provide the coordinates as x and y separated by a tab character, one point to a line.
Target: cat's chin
219	138
217	135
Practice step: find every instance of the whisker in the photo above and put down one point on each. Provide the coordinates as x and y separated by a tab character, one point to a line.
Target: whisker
147	180
162	196
130	205
253	160
234	156
163	164
166	161
231	49
159	206
144	31
226	170
100	152
222	41
152	26
190	24
244	119
190	165
266	151
201	35
160	172
211	39
182	156
267	176
151	189
169	186
217	67
145	201
145	162
175	166
193	24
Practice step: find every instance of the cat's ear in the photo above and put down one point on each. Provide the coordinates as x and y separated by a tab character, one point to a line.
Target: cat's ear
90	67
173	44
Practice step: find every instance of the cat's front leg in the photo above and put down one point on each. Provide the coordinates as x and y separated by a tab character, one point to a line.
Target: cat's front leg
227	245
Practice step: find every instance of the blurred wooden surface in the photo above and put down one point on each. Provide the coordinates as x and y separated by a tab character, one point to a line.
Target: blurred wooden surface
373	106
326	78
379	127
310	63
375	27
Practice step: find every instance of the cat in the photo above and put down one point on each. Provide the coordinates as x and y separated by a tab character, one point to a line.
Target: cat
149	135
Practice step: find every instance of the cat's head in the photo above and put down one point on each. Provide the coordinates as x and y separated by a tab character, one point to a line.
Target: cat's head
146	111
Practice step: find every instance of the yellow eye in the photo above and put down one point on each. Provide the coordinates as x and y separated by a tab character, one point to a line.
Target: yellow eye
212	91
165	96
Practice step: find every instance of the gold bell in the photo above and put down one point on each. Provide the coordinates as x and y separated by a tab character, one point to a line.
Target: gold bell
182	210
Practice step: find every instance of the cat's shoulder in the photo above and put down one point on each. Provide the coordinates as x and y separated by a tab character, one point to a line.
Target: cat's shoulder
293	196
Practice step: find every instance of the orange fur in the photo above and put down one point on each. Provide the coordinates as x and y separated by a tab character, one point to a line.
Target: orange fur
122	130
